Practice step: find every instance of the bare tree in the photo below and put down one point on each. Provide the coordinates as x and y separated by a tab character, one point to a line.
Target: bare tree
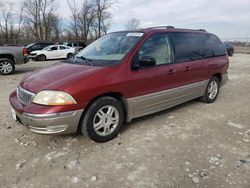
74	16
57	28
39	17
103	16
89	19
132	24
10	27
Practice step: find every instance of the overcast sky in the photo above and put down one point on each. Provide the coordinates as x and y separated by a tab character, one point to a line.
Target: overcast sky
227	19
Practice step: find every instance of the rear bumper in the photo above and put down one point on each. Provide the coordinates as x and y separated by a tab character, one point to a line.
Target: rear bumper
224	79
58	123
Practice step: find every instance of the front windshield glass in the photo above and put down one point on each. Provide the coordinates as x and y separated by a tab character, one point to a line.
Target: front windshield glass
112	47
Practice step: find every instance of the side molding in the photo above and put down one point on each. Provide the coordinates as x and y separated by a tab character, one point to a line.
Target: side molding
155	102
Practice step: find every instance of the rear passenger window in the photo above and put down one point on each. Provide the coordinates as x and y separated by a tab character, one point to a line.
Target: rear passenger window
158	47
196	46
188	46
214	46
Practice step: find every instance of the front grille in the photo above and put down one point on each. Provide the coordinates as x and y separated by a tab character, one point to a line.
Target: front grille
24	96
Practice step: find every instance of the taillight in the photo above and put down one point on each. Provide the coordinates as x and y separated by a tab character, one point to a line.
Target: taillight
25	51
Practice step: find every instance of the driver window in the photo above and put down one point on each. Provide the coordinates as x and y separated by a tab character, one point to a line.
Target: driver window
157	47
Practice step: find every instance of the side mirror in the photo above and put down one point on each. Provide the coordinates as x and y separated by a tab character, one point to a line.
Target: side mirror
147	61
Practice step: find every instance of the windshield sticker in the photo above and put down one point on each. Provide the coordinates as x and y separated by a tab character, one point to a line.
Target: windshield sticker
134	34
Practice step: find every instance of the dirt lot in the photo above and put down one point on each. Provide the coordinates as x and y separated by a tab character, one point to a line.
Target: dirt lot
242	49
192	145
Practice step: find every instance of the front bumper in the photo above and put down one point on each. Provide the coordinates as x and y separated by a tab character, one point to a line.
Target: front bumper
46	120
57	123
32	56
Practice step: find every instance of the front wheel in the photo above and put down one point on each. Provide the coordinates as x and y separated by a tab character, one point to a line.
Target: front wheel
212	90
41	58
103	119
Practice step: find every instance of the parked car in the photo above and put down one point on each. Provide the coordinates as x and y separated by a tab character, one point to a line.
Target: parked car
53	52
10	56
74	44
229	47
37	46
121	76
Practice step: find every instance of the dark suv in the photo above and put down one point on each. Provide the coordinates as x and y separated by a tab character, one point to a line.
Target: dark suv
37	46
120	77
229	47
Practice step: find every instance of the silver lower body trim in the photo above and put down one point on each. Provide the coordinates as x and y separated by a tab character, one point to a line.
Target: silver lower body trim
155	102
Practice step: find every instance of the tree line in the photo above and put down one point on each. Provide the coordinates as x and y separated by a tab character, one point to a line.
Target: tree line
38	20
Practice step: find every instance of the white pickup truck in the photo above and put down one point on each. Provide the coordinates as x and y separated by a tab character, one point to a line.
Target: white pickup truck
10	56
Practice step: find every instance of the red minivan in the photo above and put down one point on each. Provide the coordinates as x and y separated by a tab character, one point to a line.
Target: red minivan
119	77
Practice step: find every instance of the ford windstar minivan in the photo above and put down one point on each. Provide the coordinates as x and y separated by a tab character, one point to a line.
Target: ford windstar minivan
119	77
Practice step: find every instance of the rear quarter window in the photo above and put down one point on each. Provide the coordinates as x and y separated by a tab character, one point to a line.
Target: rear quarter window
196	46
214	46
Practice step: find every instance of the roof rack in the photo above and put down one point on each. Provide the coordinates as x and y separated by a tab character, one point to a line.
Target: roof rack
172	27
192	29
162	27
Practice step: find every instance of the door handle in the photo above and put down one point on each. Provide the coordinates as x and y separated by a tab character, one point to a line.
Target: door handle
187	69
171	70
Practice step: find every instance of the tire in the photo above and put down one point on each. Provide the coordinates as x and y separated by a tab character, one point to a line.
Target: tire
70	55
7	66
212	91
41	58
230	53
98	124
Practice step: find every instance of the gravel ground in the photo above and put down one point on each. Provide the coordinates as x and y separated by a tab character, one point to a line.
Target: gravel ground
192	145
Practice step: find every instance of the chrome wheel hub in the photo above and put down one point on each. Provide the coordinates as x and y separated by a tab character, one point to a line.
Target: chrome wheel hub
106	120
5	67
212	90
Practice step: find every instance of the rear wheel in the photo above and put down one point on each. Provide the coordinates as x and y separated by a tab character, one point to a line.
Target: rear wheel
103	119
41	58
7	66
212	90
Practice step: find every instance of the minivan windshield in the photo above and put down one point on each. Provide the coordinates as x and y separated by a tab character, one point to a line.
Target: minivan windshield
111	47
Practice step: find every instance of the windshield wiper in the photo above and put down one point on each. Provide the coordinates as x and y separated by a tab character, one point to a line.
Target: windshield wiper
89	61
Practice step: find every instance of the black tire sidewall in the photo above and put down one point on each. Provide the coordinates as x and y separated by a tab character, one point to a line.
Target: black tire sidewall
230	53
208	100
39	58
12	64
87	122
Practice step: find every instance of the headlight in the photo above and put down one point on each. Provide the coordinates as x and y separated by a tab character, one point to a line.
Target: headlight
53	98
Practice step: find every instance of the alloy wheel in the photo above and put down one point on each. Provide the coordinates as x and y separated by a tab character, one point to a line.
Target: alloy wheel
106	120
213	90
6	67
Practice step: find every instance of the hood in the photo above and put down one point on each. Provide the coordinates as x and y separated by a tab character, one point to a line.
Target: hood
57	76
